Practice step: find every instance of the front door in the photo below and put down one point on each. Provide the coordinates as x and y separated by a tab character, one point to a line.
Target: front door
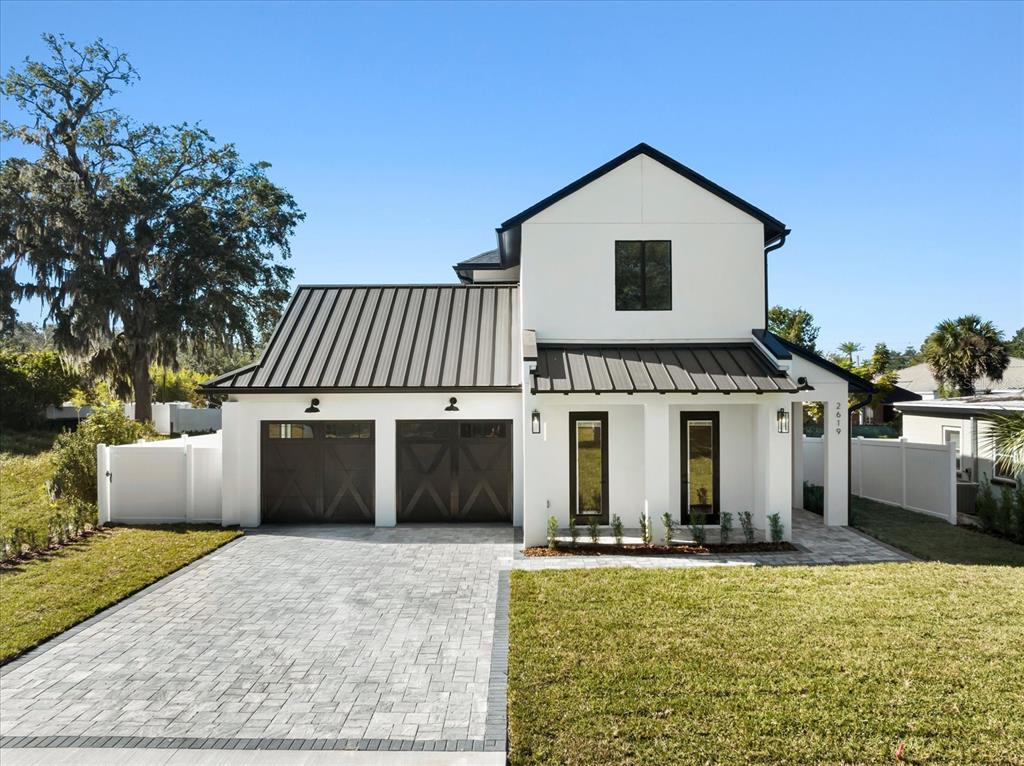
588	466
699	473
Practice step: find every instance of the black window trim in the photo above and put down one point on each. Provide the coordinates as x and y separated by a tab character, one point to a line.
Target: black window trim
643	273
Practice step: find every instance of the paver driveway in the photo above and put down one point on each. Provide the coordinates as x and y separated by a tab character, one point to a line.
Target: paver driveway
358	637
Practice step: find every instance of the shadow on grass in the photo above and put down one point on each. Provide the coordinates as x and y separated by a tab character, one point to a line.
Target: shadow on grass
932	539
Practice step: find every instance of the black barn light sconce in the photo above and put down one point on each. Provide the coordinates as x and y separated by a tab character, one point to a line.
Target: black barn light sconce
782	420
313	406
451	405
535	422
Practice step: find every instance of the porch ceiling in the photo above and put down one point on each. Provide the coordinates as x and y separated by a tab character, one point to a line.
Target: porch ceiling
658	368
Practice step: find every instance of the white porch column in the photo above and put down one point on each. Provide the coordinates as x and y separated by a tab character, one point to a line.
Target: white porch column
796	420
385	472
778	470
535	504
656	462
836	468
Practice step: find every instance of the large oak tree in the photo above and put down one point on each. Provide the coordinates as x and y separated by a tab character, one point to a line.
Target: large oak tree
139	239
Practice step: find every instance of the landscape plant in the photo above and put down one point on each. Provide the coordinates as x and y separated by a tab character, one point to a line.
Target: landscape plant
747	525
984	504
617	529
645	528
552	532
29	381
666	522
594	529
725	528
573	531
697	520
775	527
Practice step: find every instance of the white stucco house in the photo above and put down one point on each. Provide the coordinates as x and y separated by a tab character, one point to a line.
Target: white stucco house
609	357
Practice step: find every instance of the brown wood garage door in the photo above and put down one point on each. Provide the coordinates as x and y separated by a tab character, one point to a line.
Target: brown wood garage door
454	470
317	472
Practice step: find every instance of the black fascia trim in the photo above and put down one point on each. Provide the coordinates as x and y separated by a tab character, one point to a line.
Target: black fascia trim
770	342
360	390
774	228
856	382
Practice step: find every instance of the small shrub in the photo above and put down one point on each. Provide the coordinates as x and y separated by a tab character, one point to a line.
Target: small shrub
594	531
645	529
1018	512
984	503
697	519
617	530
1003	521
725	528
552	532
74	473
747	525
666	522
573	532
776	528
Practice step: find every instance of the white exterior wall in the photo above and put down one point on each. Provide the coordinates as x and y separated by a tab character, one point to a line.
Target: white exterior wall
242	418
568	260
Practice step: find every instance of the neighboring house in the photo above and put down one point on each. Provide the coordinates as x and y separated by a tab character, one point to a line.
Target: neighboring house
919	379
609	358
965	422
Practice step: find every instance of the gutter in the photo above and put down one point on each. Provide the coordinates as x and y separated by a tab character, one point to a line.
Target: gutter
768	249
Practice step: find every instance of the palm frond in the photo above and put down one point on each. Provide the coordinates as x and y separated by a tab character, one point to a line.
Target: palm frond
1006	437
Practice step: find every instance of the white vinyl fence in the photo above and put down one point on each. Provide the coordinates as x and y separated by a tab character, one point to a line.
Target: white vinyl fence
163	482
918	477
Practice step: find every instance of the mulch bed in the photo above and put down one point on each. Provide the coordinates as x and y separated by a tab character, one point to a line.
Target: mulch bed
656	549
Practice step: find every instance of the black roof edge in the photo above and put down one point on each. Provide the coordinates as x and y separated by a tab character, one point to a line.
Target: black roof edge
856	382
359	390
774	228
770	342
899	394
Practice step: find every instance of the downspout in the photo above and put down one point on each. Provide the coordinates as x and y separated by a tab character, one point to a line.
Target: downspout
849	454
770	248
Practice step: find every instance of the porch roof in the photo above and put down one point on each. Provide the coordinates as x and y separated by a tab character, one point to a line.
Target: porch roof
658	368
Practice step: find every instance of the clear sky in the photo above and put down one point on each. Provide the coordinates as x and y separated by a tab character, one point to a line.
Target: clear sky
890	138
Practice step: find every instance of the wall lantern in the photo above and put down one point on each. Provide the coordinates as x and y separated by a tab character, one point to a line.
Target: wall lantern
782	419
535	422
451	405
313	406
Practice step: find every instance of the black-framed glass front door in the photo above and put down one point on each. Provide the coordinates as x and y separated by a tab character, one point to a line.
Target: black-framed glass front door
699	472
588	466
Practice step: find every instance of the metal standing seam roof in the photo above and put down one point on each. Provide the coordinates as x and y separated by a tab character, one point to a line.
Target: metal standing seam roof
389	338
658	368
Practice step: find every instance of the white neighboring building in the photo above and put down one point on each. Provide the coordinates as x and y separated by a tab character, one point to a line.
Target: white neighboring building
610	357
919	379
963	421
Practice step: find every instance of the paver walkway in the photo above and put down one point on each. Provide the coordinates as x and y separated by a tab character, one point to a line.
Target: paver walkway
314	638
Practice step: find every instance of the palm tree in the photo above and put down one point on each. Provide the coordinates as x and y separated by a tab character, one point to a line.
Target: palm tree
849	348
961	350
1006	435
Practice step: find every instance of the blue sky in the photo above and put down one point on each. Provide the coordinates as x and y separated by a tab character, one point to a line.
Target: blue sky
890	138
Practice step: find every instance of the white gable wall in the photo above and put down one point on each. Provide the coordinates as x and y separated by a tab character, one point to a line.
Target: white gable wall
568	260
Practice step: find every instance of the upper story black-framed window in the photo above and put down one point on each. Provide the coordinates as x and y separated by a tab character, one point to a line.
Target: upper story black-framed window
643	275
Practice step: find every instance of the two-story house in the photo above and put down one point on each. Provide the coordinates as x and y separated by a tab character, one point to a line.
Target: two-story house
610	357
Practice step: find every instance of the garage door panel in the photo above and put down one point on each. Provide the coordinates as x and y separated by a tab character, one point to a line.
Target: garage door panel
454	471
316	472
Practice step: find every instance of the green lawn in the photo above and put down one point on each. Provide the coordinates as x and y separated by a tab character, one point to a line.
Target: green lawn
772	665
25	467
44	596
930	538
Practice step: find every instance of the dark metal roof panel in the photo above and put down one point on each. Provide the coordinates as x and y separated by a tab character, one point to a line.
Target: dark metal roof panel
657	368
389	338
